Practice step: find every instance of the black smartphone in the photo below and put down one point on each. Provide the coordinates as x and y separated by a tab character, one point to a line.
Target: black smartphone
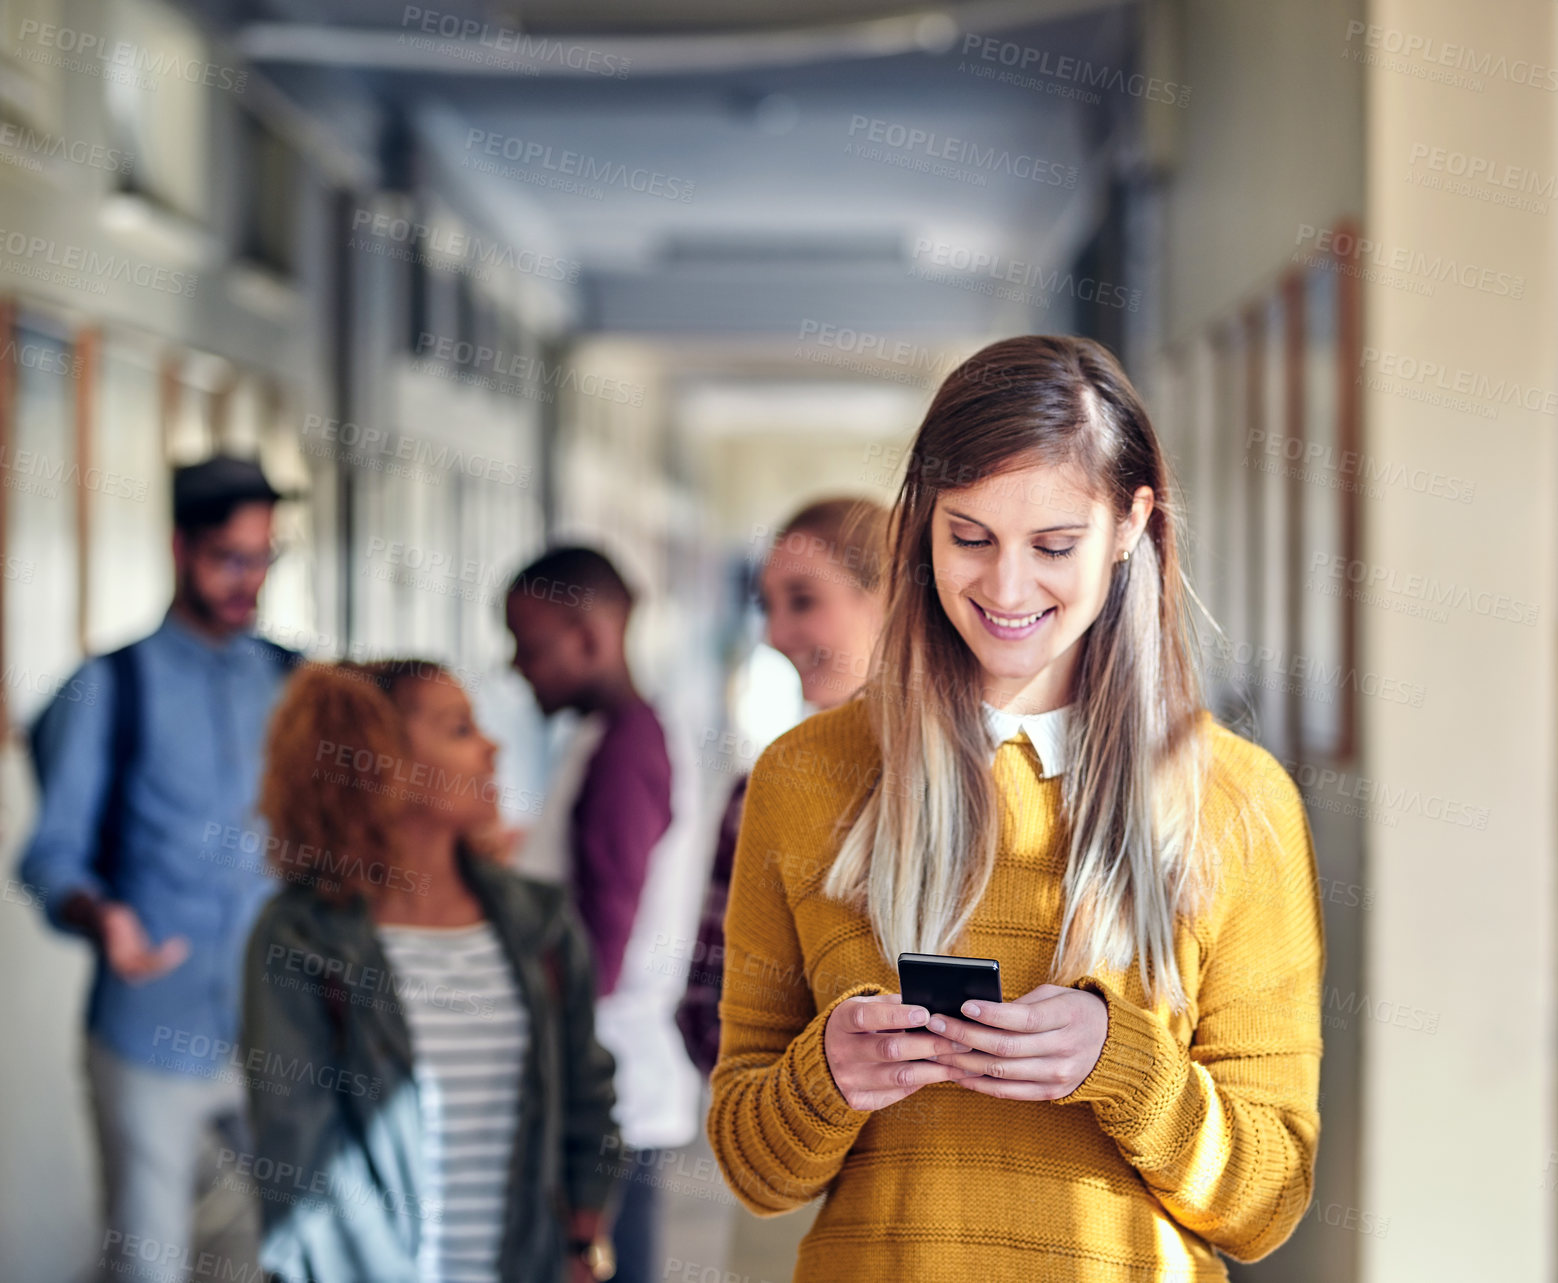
942	984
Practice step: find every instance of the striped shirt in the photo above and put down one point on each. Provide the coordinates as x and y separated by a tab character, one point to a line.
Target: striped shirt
469	1028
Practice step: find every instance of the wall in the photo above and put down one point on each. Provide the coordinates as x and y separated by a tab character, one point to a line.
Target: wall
1458	1128
1272	139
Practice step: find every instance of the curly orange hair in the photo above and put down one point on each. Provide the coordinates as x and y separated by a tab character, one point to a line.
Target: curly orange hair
333	734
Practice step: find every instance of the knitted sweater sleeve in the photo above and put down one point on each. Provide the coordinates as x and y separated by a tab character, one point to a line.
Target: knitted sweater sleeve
1224	1133
779	1125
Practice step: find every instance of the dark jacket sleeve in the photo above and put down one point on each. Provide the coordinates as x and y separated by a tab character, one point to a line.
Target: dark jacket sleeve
622	811
591	1143
304	1153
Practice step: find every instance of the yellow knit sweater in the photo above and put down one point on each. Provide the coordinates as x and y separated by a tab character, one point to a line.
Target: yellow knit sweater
1194	1132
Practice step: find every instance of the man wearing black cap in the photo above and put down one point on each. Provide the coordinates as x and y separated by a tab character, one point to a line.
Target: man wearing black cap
145	845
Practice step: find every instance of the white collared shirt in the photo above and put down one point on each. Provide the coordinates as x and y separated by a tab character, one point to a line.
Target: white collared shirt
1046	731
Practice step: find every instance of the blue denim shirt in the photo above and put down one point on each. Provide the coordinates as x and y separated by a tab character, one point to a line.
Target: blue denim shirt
191	859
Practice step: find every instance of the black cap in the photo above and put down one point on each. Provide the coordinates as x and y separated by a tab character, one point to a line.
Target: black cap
206	493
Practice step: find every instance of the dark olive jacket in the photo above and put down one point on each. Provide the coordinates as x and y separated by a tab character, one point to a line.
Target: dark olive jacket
337	1128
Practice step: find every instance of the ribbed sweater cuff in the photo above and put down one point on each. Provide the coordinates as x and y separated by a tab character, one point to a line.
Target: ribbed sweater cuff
813	1083
1140	1072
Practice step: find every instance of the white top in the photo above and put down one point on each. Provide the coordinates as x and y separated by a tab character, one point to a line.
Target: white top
469	1030
545	853
1047	731
658	1090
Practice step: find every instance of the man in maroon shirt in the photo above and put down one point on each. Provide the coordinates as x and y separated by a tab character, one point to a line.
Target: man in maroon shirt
568	613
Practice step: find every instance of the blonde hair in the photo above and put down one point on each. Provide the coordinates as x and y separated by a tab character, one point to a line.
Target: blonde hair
851	530
920	855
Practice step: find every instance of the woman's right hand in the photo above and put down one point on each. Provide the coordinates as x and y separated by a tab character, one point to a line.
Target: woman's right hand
875	1061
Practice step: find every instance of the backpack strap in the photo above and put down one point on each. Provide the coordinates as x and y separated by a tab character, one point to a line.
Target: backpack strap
124	749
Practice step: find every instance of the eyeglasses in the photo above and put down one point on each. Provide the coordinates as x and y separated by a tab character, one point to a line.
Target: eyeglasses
237	564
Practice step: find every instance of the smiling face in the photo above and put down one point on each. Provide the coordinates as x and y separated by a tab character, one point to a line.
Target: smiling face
456	780
1023	561
819	618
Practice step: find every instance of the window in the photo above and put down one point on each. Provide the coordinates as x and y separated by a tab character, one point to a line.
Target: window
30	66
267	233
159	109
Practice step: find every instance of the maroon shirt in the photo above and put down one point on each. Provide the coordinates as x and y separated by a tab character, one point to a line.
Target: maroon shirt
697	1016
622	811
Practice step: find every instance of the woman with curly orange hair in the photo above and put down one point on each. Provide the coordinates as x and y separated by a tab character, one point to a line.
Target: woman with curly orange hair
427	1094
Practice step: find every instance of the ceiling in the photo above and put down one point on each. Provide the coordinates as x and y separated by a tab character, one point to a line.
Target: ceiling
764	169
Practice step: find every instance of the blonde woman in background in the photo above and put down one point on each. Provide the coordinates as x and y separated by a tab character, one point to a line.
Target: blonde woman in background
1030	776
823	594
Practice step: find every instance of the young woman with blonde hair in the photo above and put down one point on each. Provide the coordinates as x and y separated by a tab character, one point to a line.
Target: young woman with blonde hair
821	589
1029	775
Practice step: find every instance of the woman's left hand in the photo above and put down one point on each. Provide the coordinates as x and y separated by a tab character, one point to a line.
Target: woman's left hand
1040	1047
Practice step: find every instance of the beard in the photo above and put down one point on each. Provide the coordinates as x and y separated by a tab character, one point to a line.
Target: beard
215	612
